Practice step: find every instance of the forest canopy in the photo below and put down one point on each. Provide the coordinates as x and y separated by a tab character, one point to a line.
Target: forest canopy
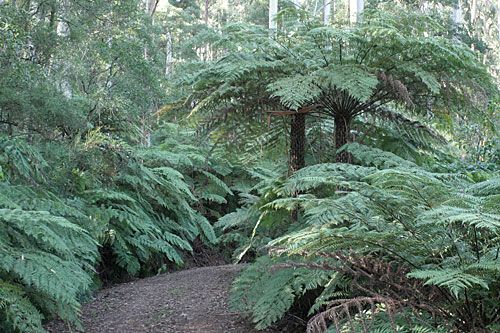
346	151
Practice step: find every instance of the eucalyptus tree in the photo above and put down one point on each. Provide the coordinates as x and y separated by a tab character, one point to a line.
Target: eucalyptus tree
273	11
355	10
327	11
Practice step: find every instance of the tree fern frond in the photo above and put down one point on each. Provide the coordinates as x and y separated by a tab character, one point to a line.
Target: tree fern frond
16	311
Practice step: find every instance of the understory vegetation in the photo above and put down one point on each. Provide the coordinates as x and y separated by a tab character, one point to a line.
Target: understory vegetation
352	164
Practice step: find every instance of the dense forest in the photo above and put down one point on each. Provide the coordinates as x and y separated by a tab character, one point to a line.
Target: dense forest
346	151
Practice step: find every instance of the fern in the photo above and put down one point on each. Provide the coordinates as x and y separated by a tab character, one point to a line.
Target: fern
268	288
138	209
435	236
48	256
17	313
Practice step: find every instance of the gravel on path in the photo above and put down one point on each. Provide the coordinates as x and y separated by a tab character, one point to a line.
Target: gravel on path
194	300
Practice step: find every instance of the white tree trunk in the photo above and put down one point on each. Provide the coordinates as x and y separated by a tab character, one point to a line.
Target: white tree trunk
296	3
498	19
355	10
149	8
170	55
327	11
273	11
457	14
473	11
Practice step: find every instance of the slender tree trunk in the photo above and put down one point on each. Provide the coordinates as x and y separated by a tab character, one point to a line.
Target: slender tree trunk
207	3
169	55
327	10
457	15
297	142
297	151
62	25
273	11
498	19
473	11
342	134
355	10
150	6
150	9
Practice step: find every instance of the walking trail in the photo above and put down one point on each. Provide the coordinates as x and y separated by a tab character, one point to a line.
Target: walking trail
194	300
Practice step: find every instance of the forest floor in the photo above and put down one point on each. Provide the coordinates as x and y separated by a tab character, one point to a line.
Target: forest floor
193	300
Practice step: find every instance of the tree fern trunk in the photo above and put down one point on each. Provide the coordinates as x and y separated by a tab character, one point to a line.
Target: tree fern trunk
297	142
297	150
342	132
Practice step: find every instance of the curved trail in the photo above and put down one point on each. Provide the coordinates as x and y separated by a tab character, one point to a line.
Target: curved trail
193	300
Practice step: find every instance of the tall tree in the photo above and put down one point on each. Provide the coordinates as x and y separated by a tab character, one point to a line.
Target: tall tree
273	11
355	10
327	11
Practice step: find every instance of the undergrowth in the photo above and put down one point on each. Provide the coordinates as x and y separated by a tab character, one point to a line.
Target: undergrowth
392	246
108	213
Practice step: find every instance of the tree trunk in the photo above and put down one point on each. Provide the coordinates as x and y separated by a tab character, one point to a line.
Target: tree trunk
355	10
342	134
327	10
207	4
297	151
273	11
498	19
297	142
457	15
169	55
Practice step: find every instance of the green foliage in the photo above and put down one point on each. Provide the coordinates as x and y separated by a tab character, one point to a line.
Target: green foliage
122	210
406	238
247	229
46	262
18	313
390	68
93	180
268	288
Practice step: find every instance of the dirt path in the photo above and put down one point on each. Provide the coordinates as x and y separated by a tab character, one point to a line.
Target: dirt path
193	300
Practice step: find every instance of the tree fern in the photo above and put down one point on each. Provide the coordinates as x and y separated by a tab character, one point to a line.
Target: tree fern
48	256
134	207
17	313
433	234
269	288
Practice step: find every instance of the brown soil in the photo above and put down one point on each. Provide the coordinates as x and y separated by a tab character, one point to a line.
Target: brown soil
193	300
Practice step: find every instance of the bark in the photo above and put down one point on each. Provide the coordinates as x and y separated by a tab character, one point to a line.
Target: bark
297	151
169	55
457	14
355	10
62	25
498	19
207	4
52	20
327	10
297	142
342	136
150	9
473	11
273	11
